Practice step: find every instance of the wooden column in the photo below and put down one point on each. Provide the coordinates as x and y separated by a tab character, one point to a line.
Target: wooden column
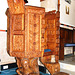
74	36
73	40
59	5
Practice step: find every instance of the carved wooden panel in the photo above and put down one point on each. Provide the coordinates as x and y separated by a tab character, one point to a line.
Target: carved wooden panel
15	30
18	22
51	24
34	31
18	41
53	33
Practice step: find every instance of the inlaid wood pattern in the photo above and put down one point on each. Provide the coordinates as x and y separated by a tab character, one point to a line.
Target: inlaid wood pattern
18	43
34	39
18	22
34	23
52	22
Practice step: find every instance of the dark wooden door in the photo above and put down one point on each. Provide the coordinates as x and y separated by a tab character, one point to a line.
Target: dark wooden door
66	36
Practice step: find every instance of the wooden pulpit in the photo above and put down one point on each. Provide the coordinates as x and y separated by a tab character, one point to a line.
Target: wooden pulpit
25	35
29	32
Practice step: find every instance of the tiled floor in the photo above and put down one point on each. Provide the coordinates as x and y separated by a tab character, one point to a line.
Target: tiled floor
13	72
67	71
69	60
68	65
9	72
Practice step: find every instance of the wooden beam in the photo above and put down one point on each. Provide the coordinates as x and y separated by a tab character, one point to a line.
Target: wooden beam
41	0
58	5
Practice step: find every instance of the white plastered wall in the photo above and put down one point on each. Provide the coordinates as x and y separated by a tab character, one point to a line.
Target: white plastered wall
4	56
49	5
3	18
65	18
33	3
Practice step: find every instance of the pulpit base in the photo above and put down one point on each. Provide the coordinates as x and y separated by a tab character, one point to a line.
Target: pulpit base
27	66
